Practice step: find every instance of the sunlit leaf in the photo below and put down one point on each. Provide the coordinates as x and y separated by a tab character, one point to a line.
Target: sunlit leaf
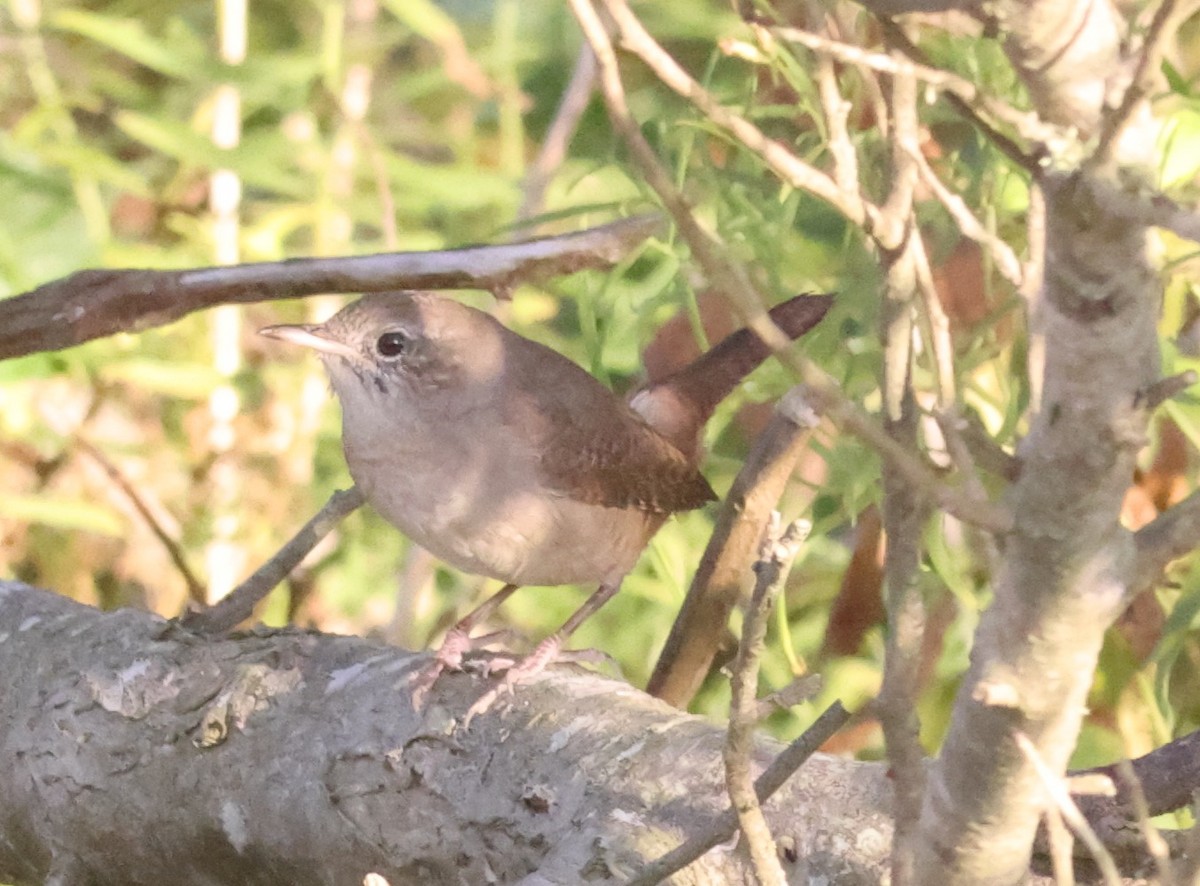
61	513
176	57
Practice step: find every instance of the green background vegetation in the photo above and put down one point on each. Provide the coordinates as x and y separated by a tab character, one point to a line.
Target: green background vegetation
105	159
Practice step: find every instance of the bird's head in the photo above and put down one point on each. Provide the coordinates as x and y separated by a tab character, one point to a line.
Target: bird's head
403	346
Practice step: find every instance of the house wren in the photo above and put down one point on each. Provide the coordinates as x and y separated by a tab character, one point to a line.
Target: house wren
503	458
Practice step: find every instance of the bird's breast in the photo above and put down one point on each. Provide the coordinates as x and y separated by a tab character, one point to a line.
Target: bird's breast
480	506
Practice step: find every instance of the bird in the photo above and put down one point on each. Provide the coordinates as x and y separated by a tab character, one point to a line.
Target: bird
503	458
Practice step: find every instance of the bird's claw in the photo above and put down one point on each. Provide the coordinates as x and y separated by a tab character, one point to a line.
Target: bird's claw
546	652
448	657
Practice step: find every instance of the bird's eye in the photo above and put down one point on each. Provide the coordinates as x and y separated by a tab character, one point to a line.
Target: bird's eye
391	344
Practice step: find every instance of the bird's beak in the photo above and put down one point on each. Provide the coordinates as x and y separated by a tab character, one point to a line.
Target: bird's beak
310	336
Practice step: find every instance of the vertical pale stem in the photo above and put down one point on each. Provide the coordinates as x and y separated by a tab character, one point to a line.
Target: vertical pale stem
904	513
225	558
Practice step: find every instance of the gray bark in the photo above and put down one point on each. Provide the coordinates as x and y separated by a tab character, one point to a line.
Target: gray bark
1069	567
136	752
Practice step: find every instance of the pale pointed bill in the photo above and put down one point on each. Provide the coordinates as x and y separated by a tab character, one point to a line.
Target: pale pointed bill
310	337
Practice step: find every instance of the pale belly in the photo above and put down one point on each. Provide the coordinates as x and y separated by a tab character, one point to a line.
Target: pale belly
476	522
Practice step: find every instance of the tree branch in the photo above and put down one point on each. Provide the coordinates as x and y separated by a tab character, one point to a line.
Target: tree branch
736	286
786	165
1169	536
289	757
724	570
93	304
239	604
772	568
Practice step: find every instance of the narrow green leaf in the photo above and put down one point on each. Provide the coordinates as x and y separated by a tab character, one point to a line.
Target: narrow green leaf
61	513
128	36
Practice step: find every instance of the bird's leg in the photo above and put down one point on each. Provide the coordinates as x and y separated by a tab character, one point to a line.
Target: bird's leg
545	652
457	642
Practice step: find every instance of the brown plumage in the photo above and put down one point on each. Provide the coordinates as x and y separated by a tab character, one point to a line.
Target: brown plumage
504	458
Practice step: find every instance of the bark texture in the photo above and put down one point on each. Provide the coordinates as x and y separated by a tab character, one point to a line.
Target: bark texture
1069	567
94	303
136	753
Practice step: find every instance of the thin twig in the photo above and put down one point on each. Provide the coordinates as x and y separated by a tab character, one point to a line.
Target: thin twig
1031	292
1155	844
772	571
896	220
1062	858
782	161
240	602
1189	868
1172	534
1061	797
971	227
91	304
195	587
837	112
952	425
941	344
982	451
801	689
827	398
1161	26
734	284
378	158
1028	124
1154	395
729	278
1009	148
773	777
571	106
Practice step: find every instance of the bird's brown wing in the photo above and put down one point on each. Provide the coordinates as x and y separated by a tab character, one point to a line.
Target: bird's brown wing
591	447
629	466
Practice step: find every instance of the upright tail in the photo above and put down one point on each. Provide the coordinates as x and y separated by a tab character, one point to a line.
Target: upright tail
678	406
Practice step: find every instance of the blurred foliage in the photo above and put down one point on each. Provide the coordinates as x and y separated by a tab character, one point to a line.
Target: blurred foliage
105	159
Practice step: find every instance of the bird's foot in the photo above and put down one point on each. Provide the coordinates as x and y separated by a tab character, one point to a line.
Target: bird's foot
517	671
448	657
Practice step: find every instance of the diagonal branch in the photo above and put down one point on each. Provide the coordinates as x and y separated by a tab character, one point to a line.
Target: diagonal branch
239	604
1161	26
773	777
781	161
195	586
732	281
696	636
1002	254
570	110
93	304
1171	535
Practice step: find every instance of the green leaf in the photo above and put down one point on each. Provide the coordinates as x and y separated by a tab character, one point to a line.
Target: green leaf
128	36
61	513
175	378
171	137
1177	83
1180	146
425	18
